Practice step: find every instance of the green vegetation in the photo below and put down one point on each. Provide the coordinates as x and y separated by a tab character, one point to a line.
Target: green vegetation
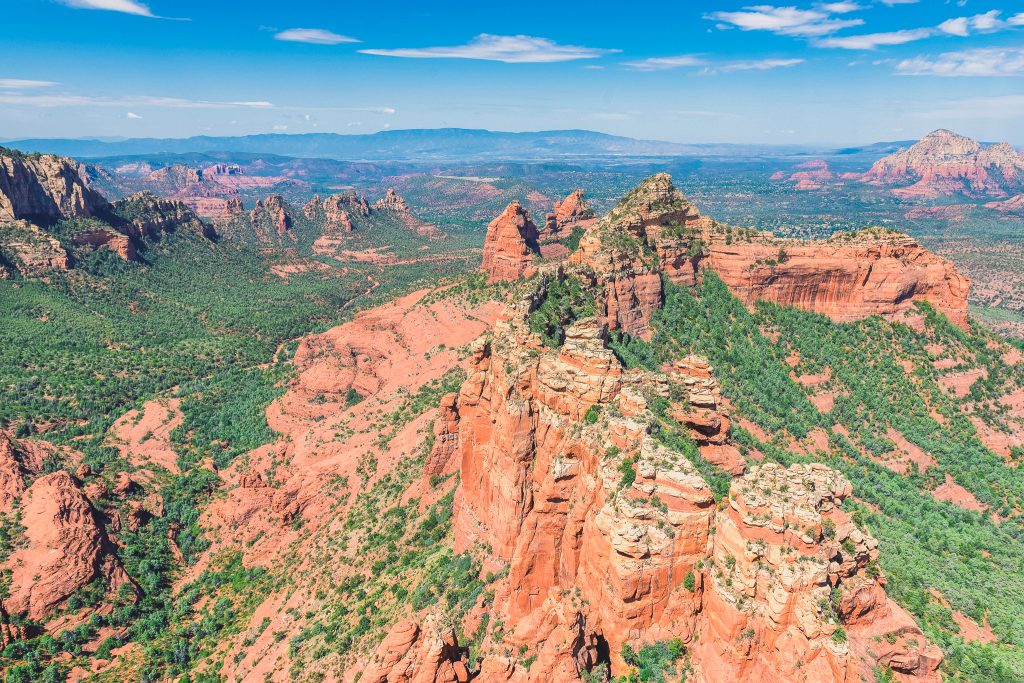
567	301
652	663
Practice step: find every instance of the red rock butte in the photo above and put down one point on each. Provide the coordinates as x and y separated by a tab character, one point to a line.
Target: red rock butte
510	246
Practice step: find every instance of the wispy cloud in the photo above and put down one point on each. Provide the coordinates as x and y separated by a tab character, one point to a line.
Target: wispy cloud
510	49
69	100
666	63
709	67
788	21
23	84
132	116
871	41
124	6
976	62
840	7
759	65
316	36
1016	20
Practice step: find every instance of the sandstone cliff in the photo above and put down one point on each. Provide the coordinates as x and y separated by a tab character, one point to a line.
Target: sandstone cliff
656	231
43	188
847	277
609	536
510	246
944	163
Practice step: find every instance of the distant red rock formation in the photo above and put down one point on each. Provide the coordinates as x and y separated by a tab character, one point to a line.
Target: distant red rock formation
391	201
271	209
510	245
944	163
810	175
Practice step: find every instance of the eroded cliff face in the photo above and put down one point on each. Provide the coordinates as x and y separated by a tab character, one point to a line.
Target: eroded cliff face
43	187
510	246
847	277
579	478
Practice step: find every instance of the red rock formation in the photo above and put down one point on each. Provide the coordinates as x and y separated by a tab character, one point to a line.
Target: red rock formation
65	549
31	251
43	186
234	207
570	212
332	211
648	233
410	654
153	217
944	163
597	558
118	243
874	272
810	175
391	201
790	592
271	210
510	245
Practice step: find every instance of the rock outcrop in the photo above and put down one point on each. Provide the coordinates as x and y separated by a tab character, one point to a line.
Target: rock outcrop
793	583
43	188
569	213
944	163
611	537
653	230
810	175
30	250
391	201
510	246
60	545
271	211
331	211
410	654
149	217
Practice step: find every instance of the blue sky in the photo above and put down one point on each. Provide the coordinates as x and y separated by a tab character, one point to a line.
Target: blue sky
842	72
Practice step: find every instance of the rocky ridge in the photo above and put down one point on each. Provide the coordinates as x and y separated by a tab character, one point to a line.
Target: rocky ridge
944	163
609	537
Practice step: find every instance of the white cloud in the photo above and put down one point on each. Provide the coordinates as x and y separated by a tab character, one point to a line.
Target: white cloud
1016	20
786	21
759	64
890	3
870	41
316	36
510	49
976	62
681	61
125	6
665	63
979	23
840	7
133	116
22	84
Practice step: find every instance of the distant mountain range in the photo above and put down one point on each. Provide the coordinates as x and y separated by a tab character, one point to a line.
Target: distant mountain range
408	145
